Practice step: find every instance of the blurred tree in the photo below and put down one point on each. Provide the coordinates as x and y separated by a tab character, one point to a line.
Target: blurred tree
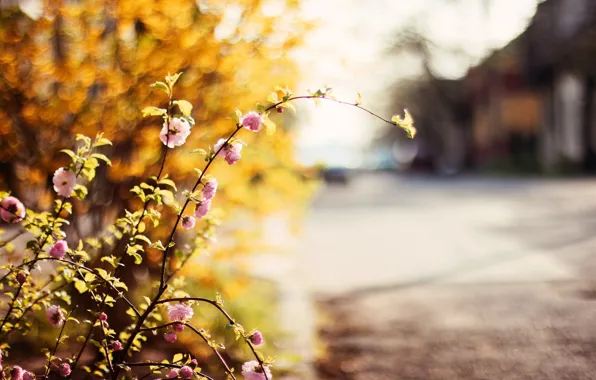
85	66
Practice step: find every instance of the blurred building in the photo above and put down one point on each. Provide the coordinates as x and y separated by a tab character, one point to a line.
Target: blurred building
532	103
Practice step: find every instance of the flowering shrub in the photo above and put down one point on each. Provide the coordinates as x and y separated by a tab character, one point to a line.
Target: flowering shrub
71	272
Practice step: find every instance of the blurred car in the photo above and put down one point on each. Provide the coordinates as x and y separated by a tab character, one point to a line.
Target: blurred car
337	175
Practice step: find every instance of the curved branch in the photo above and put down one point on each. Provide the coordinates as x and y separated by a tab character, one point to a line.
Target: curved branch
221	359
225	314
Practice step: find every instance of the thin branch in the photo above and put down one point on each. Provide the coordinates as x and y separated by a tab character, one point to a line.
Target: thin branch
58	341
162	365
221	359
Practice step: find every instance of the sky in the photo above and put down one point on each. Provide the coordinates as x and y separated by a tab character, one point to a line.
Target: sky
348	51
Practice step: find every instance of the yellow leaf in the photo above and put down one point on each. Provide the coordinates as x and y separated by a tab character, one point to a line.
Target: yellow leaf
407	123
184	106
269	126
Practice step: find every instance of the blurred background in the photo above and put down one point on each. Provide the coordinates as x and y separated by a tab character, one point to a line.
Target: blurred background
465	253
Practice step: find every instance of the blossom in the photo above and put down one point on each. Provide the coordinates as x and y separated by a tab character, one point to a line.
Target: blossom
231	151
173	374
179	312
252	121
64	182
186	372
64	369
28	376
188	222
59	249
103	316
175	133
194	363
170	337
55	315
252	370
16	373
210	188
256	338
117	345
179	327
203	208
11	210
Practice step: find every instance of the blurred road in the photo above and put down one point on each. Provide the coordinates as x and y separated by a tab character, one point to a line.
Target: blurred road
384	231
454	278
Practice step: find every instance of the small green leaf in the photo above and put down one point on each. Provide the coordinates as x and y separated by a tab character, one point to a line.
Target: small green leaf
154	111
102	157
80	286
162	86
184	106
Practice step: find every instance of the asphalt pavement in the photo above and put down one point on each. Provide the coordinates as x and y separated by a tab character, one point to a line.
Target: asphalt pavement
418	277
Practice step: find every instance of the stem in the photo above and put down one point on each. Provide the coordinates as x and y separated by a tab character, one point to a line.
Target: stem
40	298
74	365
225	314
82	267
221	359
58	341
171	238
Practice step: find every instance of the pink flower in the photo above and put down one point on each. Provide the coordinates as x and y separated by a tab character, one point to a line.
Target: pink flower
179	312
59	249
176	133
186	372
179	327
173	373
252	371
231	151
12	210
252	121
203	208
64	182
256	338
103	317
28	376
194	363
55	315
64	369
210	188
117	345
16	373
188	222
170	337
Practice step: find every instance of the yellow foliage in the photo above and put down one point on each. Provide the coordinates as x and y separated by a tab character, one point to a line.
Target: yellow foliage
86	66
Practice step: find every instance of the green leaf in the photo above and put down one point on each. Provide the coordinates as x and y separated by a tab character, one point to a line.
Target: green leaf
70	153
102	157
102	141
154	111
80	286
202	152
184	106
162	86
81	191
168	182
407	123
172	79
177	358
